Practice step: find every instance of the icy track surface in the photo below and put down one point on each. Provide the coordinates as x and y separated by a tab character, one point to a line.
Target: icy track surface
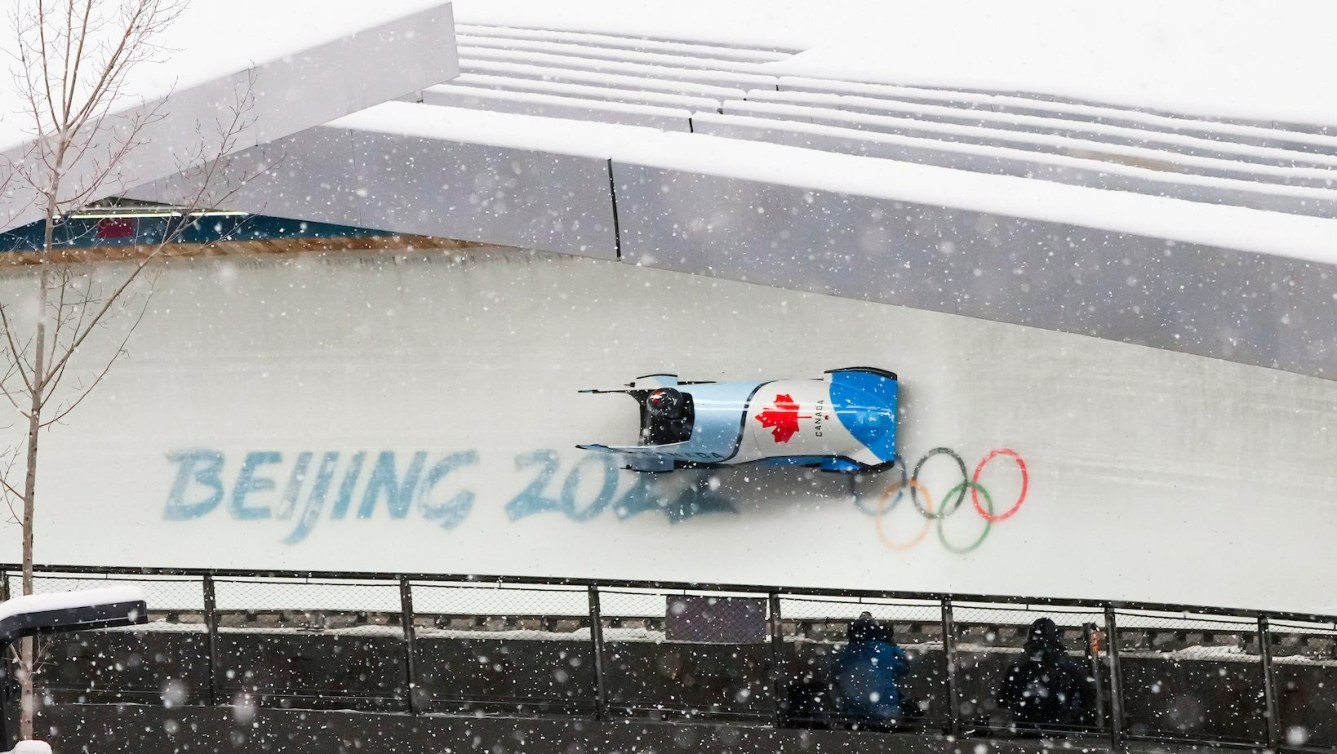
254	388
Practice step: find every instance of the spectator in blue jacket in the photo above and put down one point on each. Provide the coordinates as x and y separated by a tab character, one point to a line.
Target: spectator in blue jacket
866	672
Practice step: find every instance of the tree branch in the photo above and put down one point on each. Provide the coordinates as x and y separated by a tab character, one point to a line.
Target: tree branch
14	351
86	390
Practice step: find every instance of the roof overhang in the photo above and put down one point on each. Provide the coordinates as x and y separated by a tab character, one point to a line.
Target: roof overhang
301	67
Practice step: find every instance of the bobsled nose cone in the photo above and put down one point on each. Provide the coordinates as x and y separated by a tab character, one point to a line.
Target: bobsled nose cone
877	425
875	429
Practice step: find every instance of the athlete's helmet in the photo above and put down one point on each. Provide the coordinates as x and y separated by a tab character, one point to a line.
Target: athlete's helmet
664	402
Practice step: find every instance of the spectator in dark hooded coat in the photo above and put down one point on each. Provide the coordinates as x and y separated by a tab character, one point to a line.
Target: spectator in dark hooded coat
1044	687
866	672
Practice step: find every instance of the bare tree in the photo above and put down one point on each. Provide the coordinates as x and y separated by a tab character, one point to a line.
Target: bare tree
73	59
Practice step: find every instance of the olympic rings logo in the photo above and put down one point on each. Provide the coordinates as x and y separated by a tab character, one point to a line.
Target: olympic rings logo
919	496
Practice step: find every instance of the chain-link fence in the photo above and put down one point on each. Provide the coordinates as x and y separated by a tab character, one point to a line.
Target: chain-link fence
311	644
813	660
686	653
1304	666
499	648
862	663
1192	677
158	662
1029	670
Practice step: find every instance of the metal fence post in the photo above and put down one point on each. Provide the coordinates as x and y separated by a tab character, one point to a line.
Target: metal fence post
597	638
953	721
1091	635
777	661
1272	713
410	645
6	674
6	668
210	640
1116	681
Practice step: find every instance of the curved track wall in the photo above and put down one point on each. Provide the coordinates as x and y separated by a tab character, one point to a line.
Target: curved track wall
418	412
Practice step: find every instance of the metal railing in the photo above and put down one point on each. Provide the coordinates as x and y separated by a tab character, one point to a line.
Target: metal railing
427	643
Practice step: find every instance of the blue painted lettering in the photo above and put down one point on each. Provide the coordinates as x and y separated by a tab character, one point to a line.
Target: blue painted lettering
289	501
451	512
346	487
531	499
200	467
316	500
607	489
399	496
636	500
248	482
296	491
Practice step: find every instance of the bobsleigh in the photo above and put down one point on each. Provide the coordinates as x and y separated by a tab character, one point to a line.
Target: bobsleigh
843	422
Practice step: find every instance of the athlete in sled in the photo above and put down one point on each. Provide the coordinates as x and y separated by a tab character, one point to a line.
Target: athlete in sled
842	422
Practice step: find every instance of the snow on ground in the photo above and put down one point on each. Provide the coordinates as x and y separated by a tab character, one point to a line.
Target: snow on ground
1222	58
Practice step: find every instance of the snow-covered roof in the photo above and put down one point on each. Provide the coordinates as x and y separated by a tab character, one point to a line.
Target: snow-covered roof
745	93
1218	58
301	65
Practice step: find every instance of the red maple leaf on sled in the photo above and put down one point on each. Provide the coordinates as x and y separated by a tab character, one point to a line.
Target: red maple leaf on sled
782	420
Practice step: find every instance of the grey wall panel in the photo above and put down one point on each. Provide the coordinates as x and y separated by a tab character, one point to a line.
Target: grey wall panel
308	176
513	197
406	184
1250	308
309	179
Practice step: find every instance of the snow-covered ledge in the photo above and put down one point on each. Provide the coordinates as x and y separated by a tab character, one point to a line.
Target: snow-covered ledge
302	64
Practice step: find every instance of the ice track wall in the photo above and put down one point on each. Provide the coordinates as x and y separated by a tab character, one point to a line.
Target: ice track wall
418	412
